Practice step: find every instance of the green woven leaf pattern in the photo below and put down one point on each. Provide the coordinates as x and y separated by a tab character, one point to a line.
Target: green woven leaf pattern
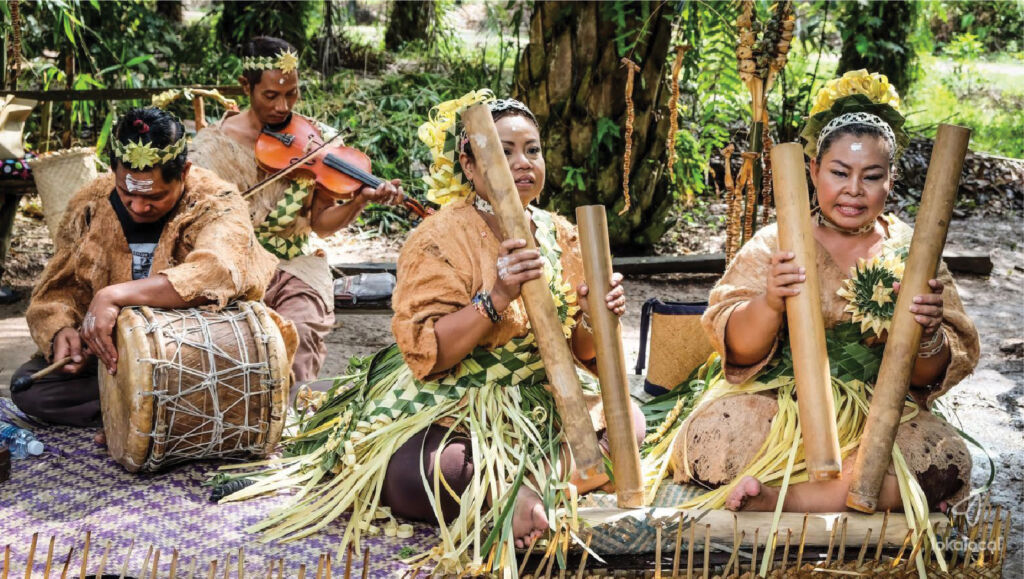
283	216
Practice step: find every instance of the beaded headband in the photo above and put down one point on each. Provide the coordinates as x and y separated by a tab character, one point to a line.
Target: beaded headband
140	156
858	118
286	61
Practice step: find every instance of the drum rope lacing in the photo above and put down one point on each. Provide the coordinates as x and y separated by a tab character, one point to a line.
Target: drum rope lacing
220	368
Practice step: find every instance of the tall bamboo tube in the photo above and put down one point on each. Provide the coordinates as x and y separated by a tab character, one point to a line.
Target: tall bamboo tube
540	307
803	315
904	338
611	361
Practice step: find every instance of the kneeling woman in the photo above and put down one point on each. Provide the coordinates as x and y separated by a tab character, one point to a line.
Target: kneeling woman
454	424
739	436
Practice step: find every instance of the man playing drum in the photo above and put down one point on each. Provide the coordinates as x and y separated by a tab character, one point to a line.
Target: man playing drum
285	211
154	232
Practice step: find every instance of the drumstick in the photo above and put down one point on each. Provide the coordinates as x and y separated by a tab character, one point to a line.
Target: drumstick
611	362
815	405
23	382
930	228
540	307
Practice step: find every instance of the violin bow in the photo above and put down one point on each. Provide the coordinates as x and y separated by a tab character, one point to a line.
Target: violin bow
283	172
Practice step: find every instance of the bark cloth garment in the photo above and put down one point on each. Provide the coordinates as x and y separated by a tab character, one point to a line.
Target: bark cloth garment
495	398
207	249
302	289
721	438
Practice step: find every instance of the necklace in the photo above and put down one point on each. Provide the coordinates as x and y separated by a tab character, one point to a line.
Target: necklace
825	222
482	205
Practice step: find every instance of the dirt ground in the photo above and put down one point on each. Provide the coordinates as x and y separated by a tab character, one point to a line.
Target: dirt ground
989	404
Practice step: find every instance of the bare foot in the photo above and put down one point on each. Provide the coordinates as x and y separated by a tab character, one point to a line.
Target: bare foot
528	520
100	438
751	495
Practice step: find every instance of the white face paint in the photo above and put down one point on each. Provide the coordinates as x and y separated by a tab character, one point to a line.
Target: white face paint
138	185
856	146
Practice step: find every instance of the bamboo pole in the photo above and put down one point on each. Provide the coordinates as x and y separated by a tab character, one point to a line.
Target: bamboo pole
540	307
199	108
592	221
904	338
815	404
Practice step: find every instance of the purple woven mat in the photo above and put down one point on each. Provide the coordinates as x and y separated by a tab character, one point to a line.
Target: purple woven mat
82	489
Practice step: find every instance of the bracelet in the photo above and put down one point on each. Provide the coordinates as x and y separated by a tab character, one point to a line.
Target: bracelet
482	302
933	346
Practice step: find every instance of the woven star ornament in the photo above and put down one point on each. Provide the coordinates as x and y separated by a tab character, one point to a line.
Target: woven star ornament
868	291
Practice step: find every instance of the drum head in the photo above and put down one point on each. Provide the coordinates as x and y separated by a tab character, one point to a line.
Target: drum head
127	407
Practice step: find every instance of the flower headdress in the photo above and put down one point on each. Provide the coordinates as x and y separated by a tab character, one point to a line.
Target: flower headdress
140	156
856	98
446	183
286	61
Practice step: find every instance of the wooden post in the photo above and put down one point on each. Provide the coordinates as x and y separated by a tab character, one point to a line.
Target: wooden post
904	338
199	108
540	307
803	315
611	362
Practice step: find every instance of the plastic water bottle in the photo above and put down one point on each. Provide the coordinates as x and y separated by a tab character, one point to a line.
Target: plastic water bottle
22	443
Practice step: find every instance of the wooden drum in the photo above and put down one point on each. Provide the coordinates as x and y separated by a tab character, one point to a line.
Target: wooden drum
195	384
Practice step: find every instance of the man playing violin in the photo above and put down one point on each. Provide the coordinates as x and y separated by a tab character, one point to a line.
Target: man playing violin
284	211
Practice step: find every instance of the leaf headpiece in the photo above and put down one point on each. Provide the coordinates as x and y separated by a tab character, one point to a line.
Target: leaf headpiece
446	183
286	61
855	92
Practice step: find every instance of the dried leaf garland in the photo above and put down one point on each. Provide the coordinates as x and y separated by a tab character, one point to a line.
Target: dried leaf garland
750	205
631	70
673	107
766	175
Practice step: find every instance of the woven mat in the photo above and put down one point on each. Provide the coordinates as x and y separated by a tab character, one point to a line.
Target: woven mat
75	486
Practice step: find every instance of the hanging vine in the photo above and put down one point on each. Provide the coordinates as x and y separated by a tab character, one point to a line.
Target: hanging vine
631	70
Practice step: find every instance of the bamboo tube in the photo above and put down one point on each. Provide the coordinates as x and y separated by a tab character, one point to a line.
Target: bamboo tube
815	404
611	360
904	338
199	108
540	307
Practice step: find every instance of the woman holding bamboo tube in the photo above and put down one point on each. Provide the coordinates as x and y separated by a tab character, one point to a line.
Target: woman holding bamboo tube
744	427
453	424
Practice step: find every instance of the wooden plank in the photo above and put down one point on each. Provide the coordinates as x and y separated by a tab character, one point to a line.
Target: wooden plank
959	262
656	264
114	94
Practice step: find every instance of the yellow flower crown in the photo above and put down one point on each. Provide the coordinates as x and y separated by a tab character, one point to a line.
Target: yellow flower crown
873	85
445	183
139	155
286	61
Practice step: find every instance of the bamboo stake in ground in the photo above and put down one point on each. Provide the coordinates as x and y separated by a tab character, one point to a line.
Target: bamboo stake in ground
904	338
540	307
803	313
611	360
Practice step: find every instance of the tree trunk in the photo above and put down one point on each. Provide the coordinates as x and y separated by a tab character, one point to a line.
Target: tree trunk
171	10
571	76
410	20
875	37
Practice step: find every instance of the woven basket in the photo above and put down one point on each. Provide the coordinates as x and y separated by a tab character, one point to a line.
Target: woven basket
59	175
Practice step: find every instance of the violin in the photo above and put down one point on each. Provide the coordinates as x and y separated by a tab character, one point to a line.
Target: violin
340	172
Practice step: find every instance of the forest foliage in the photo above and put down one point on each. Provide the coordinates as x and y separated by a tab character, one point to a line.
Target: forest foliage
962	63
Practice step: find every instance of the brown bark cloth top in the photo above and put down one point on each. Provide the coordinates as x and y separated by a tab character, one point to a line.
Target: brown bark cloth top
213	149
447	259
207	249
746	278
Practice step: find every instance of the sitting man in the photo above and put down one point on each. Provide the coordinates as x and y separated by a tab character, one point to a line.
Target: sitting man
285	211
154	232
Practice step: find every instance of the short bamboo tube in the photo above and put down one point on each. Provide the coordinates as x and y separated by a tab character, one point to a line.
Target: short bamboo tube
804	318
904	338
540	307
592	222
